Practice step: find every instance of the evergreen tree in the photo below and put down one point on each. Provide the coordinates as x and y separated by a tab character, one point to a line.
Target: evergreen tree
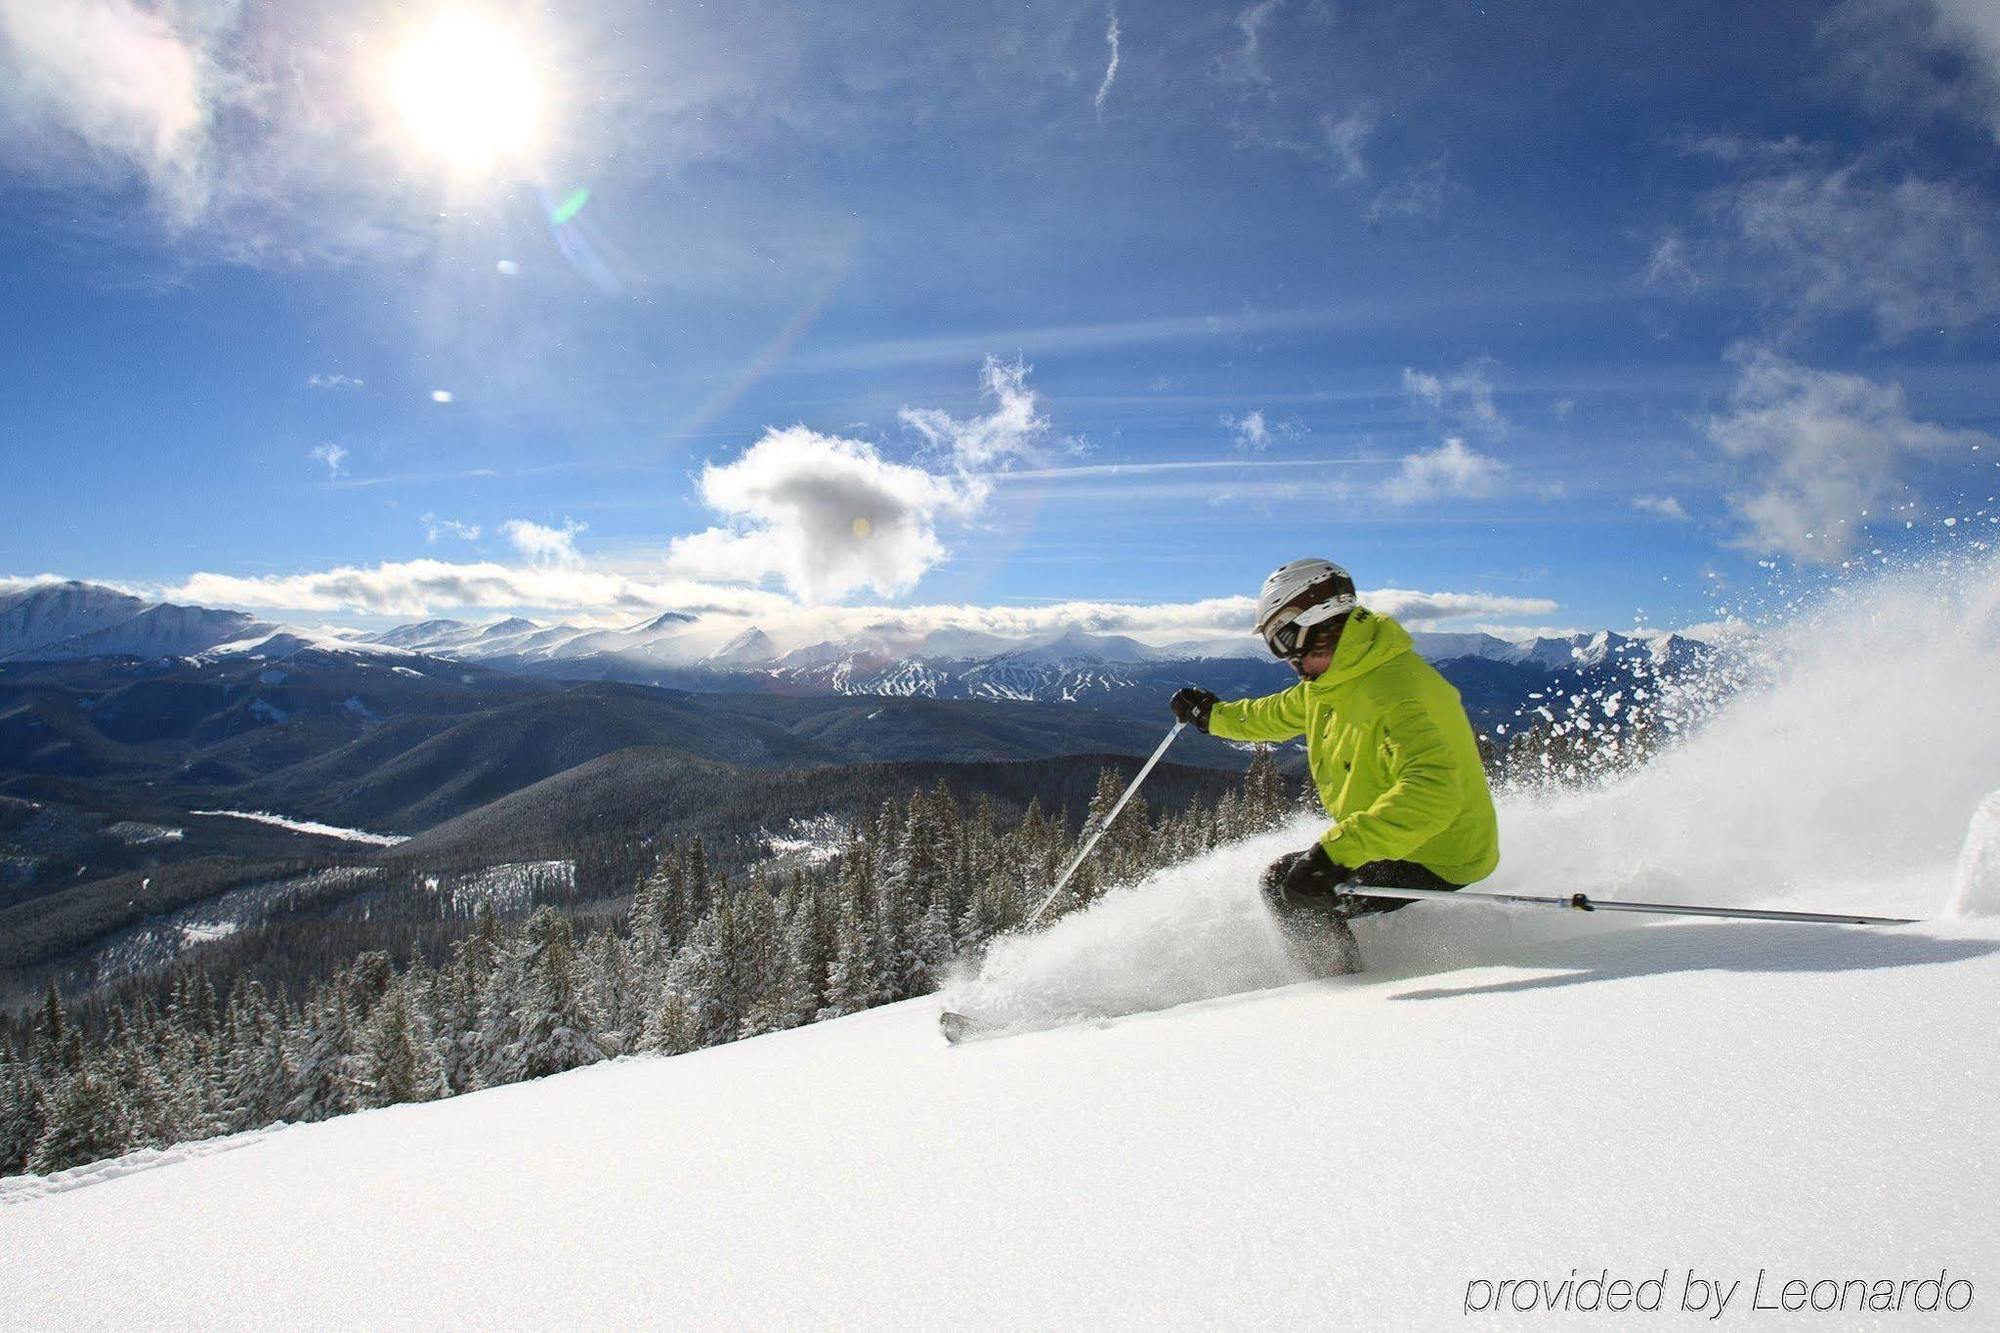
695	890
1263	792
914	876
461	993
621	985
852	982
980	854
369	977
647	924
702	972
985	915
1124	850
1038	848
394	1061
552	1018
952	888
255	1077
670	1027
54	1049
320	1055
142	1060
22	1118
808	952
934	944
85	1123
758	962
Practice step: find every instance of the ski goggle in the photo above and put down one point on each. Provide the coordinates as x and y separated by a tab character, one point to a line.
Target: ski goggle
1291	625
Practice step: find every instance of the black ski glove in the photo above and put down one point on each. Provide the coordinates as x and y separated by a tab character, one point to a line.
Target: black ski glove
1191	706
1314	878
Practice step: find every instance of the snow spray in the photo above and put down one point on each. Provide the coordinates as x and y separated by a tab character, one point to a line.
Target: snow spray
1838	772
1976	885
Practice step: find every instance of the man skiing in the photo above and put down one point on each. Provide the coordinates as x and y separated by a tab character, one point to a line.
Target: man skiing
1389	746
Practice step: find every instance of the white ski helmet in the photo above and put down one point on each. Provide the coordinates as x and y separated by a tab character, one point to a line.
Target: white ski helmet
1297	597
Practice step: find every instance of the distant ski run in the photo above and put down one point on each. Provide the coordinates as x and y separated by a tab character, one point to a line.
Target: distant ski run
308	826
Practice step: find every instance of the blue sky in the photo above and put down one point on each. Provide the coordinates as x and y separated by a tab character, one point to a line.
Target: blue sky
1555	314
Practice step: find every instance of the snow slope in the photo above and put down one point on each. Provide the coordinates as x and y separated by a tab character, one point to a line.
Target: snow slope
1345	1153
1180	1131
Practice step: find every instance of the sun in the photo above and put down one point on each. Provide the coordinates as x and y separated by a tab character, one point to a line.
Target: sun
465	88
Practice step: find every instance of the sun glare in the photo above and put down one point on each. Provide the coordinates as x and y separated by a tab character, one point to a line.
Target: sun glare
466	90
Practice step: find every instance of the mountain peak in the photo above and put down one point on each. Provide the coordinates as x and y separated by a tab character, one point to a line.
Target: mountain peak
751	647
1078	645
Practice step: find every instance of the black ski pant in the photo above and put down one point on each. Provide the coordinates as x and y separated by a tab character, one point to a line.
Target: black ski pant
1387	874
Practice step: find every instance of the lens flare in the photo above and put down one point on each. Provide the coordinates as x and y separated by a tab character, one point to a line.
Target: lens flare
570	207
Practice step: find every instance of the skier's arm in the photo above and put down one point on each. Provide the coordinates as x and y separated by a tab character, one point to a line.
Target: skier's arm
1275	717
1417	806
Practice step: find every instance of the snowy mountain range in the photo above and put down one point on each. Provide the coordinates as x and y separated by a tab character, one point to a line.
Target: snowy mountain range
64	622
673	640
72	621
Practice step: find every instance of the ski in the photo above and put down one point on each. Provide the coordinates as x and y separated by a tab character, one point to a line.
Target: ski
1577	902
957	1027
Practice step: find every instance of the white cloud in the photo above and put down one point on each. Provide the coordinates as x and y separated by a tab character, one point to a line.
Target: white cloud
1911	253
1450	471
1245	64
831	516
542	544
1661	506
1432	608
1668	268
1418	194
1939	57
443	396
435	527
22	582
334	382
1346	138
422	588
1737	149
1462	399
1013	430
828	516
1423	386
1250	431
1111	68
116	78
333	455
1253	432
1823	450
428	587
1563	407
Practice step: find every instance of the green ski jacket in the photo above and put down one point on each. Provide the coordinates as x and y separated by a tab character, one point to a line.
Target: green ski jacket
1391	750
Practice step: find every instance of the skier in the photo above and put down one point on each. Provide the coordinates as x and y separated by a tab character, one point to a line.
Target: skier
1389	746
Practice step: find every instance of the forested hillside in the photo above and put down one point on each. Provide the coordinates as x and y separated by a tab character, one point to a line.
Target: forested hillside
698	956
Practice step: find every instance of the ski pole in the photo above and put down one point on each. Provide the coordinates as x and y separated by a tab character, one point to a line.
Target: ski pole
1578	902
1102	825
